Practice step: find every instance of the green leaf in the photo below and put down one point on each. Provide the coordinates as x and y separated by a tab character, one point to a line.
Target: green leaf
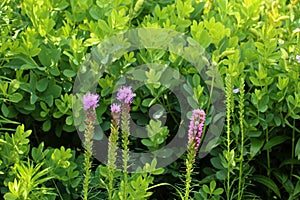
148	102
158	171
95	12
275	141
297	149
206	189
256	145
221	174
204	39
37	153
218	191
42	84
216	162
33	98
46	126
16	97
212	185
4	110
269	183
147	142
69	73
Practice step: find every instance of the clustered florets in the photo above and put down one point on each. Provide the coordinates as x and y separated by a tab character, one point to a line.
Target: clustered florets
125	94
90	101
196	127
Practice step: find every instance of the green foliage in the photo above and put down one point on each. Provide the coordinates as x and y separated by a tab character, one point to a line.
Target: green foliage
157	135
43	176
29	182
43	43
209	192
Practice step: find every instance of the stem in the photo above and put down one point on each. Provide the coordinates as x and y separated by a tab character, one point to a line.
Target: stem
88	144
125	143
229	105
189	170
241	109
293	150
112	155
268	154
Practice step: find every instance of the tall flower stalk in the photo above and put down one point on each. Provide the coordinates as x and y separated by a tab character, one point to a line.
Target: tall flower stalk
229	111
112	146
241	114
195	133
125	96
90	103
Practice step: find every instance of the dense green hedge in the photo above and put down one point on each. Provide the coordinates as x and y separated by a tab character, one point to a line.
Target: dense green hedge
44	42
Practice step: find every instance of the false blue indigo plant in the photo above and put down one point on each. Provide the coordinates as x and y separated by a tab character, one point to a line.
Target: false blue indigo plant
90	102
195	133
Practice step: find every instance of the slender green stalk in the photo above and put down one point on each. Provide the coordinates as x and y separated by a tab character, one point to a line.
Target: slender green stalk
268	154
229	109
189	170
88	145
125	142
293	149
241	113
112	156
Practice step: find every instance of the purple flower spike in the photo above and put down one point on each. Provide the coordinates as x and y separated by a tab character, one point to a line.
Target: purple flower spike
125	94
115	108
298	58
196	127
90	101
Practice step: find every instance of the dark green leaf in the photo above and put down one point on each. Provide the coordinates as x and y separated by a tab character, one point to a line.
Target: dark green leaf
16	97
69	73
4	110
275	141
46	125
269	183
42	84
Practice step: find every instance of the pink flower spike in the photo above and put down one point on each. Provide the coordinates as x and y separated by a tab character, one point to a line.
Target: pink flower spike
196	127
90	101
115	108
125	94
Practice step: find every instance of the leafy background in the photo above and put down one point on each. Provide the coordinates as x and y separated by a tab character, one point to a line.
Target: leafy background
44	43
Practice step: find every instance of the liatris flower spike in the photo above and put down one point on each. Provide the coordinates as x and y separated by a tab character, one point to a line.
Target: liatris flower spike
90	103
112	147
195	128
115	112
125	94
195	133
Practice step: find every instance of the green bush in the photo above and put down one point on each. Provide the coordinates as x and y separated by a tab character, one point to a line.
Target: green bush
43	44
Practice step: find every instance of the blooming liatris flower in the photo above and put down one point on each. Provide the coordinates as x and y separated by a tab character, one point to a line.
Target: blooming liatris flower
195	133
298	58
90	101
125	94
115	112
115	108
196	127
